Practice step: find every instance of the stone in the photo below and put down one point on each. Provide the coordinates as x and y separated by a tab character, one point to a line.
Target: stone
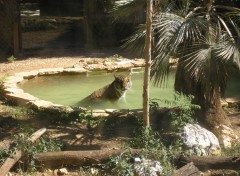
200	140
125	64
13	90
75	70
95	67
226	136
28	75
146	167
224	103
14	79
233	100
21	99
138	62
40	104
62	171
50	71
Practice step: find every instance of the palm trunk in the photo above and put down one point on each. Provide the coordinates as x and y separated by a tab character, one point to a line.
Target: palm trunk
212	113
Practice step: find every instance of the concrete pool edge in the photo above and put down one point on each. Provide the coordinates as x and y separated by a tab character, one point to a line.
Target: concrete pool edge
13	93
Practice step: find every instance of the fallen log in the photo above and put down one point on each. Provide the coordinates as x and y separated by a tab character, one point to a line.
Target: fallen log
204	163
11	161
188	170
79	158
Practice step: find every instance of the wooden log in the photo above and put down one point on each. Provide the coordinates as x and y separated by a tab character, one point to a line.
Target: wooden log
11	161
204	163
79	158
188	170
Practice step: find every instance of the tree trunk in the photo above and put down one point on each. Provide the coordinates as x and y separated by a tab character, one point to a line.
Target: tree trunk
188	170
212	114
148	51
204	163
79	158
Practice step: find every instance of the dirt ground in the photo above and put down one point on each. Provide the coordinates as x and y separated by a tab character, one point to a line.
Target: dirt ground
44	55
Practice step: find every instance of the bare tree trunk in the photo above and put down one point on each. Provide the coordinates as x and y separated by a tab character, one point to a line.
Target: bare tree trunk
148	51
79	158
204	163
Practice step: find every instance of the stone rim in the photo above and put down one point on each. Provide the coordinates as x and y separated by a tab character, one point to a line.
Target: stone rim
13	93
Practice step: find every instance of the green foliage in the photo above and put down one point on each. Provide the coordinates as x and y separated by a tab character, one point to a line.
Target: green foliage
152	148
232	151
59	114
21	142
182	111
90	121
121	165
121	125
11	59
146	138
20	113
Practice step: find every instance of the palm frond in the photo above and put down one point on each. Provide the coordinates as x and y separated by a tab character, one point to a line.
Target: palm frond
125	9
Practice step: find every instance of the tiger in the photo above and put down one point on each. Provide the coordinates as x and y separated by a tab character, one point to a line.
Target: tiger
112	92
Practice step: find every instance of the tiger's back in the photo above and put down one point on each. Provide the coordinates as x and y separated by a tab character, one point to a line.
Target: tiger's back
112	91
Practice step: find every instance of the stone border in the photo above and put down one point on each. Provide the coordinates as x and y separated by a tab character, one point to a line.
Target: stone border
13	93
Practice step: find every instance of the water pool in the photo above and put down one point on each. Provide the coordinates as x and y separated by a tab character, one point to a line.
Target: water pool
71	89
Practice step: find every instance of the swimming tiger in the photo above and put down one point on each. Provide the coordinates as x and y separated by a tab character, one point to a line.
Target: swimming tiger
112	91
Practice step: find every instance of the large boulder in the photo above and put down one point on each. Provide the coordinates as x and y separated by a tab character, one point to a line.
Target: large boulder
226	136
200	141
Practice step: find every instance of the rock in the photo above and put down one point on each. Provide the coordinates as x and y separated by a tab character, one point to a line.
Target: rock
40	104
146	167
62	171
75	70
233	100
28	75
224	103
226	136
50	71
200	140
21	99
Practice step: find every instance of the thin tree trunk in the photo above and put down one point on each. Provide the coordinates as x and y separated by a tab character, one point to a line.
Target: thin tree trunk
148	51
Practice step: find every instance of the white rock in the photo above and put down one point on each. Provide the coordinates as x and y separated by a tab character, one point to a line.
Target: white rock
75	70
200	140
62	171
146	167
226	136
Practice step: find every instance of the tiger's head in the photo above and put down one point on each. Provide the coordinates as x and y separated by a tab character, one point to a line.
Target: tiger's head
123	82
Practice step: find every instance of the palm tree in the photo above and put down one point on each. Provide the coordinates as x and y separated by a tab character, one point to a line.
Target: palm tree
204	39
203	36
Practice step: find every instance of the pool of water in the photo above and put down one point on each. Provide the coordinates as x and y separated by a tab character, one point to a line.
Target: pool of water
71	89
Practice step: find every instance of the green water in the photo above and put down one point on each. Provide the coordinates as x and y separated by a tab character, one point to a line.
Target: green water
70	89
